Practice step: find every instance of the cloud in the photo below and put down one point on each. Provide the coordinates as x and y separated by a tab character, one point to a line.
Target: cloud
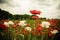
2	1
49	8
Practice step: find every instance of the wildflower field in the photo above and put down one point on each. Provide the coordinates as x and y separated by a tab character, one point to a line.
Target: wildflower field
29	29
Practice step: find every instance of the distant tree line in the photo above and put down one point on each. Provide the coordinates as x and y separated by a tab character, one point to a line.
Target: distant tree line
25	16
6	15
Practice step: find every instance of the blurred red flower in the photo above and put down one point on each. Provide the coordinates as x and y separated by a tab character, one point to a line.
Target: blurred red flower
35	17
14	26
35	12
32	32
53	22
23	31
37	33
58	28
2	27
50	35
49	31
38	27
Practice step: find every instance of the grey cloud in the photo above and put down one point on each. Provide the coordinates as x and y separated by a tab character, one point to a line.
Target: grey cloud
58	7
48	7
9	3
2	1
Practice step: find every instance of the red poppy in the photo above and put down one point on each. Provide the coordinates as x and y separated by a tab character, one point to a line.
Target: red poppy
53	22
35	17
50	35
2	27
50	29
58	28
23	31
32	31
38	25
35	12
38	28
14	26
37	33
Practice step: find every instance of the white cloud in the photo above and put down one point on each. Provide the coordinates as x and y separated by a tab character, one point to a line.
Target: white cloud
48	7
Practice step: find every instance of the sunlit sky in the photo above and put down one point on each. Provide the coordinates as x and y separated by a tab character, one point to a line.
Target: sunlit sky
49	8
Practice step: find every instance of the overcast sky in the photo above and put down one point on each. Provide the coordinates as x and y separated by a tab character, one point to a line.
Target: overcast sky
49	8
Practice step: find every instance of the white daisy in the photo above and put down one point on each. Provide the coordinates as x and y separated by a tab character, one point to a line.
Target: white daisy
6	23
45	24
28	28
10	23
54	31
22	23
